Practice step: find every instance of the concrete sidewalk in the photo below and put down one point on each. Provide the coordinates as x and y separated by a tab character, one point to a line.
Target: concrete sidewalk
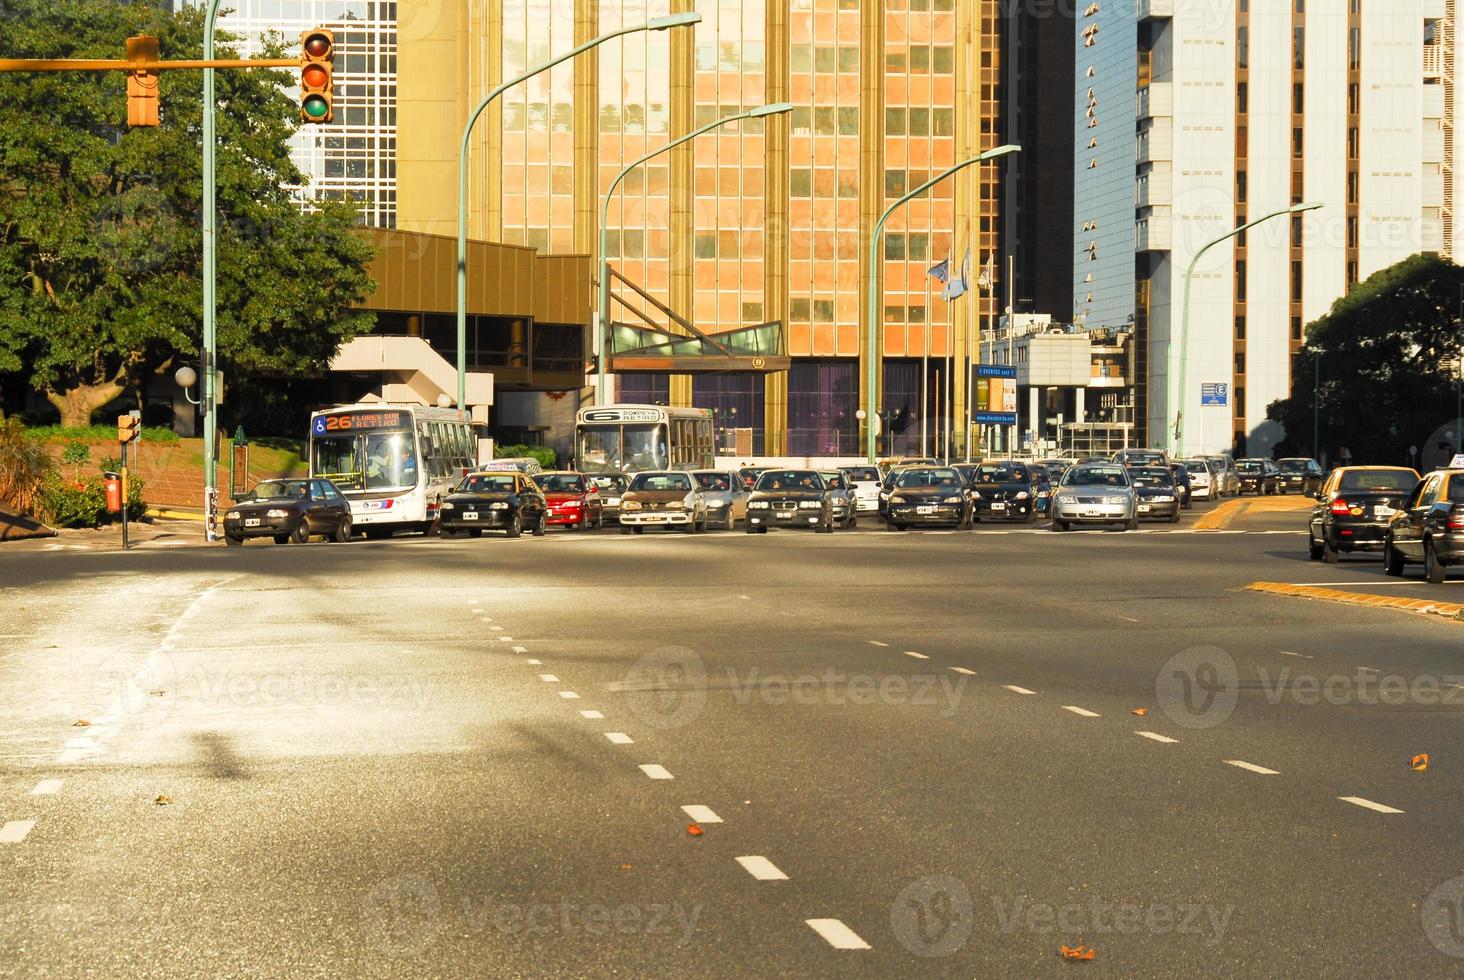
149	535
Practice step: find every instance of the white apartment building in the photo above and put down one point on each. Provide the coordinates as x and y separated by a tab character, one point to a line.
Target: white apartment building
1219	112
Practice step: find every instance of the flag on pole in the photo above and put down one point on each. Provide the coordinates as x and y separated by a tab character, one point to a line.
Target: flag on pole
941	270
960	283
988	276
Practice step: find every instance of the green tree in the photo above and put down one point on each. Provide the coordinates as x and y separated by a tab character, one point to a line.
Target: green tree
1383	359
100	232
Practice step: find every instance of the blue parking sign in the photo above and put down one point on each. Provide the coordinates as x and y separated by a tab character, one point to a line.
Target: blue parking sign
1214	393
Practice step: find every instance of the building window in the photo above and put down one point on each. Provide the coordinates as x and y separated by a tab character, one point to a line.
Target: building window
823	395
752	312
798	310
706	246
1240	280
1298	48
1240	186
1240	327
849	121
1296	282
823	311
1242	98
894	314
895	122
849	59
894	183
894	247
1240	363
800	182
1297	141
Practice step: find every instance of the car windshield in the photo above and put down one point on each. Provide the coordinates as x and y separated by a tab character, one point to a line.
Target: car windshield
790	480
1003	473
834	481
282	490
486	483
621	447
921	478
714	481
1399	479
609	484
862	474
560	482
1197	468
1152	476
662	482
1248	466
1096	476
1141	458
1456	490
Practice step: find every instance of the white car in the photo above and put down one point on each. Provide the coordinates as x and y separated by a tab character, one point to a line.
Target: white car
866	483
1203	483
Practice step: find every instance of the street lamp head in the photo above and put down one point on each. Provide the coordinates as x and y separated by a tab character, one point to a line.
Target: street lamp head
860	415
1308	206
673	20
185	376
771	109
1001	151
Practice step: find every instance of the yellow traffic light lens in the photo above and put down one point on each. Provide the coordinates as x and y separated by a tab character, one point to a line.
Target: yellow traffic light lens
316	107
314	76
317	46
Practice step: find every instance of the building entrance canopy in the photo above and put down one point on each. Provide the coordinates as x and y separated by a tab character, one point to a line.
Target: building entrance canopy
761	348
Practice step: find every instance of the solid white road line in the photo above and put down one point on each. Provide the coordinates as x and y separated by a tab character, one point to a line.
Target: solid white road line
569	695
46	787
591	714
1369	804
619	738
836	934
1017	690
1156	737
761	868
917	656
1251	767
701	814
1080	712
656	772
549	678
877	643
964	670
14	832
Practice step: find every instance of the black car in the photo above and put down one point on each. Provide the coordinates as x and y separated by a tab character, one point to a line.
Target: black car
289	510
1156	495
1429	528
928	495
1299	475
1355	506
790	498
1004	490
1182	484
501	500
1258	476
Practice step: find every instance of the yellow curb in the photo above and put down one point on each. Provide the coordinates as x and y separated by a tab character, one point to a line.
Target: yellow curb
1452	610
1220	518
177	515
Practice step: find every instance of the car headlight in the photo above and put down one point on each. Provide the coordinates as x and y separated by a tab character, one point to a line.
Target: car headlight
630	505
498	505
232	515
809	504
953	500
757	505
676	505
1022	495
718	504
976	495
1115	500
897	500
612	501
883	495
449	505
1164	498
277	513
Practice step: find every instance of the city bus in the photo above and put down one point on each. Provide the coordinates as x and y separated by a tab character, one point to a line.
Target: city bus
637	438
394	463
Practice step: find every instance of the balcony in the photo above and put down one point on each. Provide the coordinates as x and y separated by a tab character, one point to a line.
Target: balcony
1433	61
1154	188
1155	8
1156	99
1156	142
1152	233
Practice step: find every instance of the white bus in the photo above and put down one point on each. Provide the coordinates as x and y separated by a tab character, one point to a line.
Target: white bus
637	438
394	463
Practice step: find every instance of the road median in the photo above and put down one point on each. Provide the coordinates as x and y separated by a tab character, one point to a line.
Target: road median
1448	610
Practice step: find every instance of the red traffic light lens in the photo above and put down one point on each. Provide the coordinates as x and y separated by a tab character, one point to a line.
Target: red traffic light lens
316	107
317	45
314	76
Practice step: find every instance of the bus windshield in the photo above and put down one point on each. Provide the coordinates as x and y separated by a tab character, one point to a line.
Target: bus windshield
378	461
615	448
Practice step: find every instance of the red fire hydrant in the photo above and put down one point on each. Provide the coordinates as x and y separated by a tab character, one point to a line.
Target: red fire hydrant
113	483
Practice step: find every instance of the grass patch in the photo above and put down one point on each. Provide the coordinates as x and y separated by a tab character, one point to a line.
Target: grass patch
98	433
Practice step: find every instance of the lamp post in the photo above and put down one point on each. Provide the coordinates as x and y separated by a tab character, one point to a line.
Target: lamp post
654	24
602	380
872	340
207	358
1189	273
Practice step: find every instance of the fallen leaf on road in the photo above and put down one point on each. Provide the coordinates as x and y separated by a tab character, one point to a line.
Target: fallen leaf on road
1140	712
1419	763
1079	952
158	693
163	800
80	723
694	830
626	867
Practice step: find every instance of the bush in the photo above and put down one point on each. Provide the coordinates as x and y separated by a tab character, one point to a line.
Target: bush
25	465
546	456
66	503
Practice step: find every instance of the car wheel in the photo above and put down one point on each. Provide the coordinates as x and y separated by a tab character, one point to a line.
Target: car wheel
542	526
584	521
475	532
1392	559
853	520
1132	524
1330	554
301	533
903	527
516	527
762	530
233	540
1314	549
1174	518
1434	570
752	530
638	530
281	539
1060	525
343	531
625	529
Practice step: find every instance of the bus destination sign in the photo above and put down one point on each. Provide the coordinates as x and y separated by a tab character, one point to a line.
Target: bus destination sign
622	415
358	422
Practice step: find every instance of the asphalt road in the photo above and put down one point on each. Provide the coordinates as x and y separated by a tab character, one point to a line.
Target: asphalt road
475	757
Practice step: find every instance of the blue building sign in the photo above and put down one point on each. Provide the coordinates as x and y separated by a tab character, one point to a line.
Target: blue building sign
1215	393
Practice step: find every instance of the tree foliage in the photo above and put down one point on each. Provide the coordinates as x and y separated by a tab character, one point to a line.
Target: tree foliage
100	225
1384	357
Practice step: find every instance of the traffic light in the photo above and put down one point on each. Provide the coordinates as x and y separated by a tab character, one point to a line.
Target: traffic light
317	57
129	428
142	85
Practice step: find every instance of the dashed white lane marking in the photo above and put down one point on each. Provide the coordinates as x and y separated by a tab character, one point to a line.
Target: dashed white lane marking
549	678
506	639
534	663
761	868
14	832
877	643
836	934
917	656
1080	712
964	670
1251	767
1129	618
619	738
1369	804
656	772
1156	737
520	649
74	755
1293	653
701	814
493	627
1017	690
569	695
1370	670
591	714
744	597
46	787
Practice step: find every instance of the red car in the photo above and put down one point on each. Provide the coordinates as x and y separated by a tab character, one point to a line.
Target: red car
573	500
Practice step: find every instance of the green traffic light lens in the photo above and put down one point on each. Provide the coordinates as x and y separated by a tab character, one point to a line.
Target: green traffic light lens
315	107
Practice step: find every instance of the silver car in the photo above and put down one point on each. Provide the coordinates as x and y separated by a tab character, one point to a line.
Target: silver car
1095	493
1204	484
1227	481
846	503
866	483
726	497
